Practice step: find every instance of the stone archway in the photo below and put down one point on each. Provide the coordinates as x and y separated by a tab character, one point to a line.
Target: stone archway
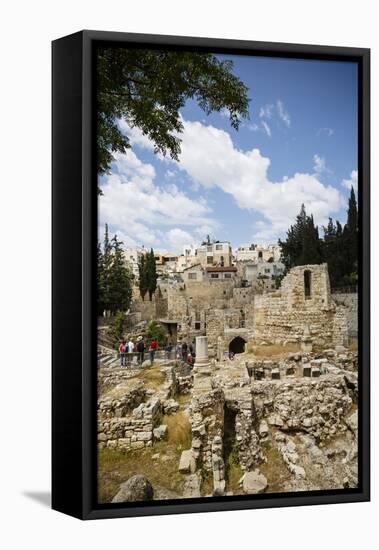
237	345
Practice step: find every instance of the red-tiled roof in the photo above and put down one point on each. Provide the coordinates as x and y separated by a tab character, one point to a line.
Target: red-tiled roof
220	269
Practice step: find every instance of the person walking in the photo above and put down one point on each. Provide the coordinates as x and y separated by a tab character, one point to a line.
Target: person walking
152	349
121	350
131	346
184	351
178	350
141	350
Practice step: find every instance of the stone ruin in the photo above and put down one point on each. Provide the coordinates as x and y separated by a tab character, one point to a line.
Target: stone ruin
296	411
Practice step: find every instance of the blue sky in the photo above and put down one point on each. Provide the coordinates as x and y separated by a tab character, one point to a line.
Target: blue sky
300	145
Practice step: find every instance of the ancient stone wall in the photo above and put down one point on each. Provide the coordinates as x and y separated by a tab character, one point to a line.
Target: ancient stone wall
134	431
285	315
314	406
350	303
207	421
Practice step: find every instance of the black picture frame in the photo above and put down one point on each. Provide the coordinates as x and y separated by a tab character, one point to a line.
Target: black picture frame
74	229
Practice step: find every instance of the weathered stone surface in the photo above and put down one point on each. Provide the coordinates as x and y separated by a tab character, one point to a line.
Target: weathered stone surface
254	482
136	488
170	406
187	463
160	432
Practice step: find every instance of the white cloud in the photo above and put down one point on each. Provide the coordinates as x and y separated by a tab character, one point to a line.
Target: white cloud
210	158
133	205
320	164
266	111
283	113
266	128
325	131
177	239
251	126
352	182
135	135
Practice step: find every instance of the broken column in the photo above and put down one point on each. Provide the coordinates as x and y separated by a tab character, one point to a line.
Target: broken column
202	363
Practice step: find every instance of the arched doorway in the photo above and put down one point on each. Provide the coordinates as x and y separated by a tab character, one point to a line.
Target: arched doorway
237	345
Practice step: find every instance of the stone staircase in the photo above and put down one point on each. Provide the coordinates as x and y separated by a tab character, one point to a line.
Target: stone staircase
107	357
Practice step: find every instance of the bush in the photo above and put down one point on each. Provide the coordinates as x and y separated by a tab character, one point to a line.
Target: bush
118	325
157	331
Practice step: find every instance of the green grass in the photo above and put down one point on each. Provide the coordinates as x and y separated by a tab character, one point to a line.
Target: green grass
274	469
233	472
152	376
116	466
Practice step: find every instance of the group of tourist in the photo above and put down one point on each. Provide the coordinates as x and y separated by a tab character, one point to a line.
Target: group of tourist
126	348
186	352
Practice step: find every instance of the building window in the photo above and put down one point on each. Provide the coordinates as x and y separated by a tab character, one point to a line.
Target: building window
267	270
210	260
228	276
214	275
218	246
260	254
209	248
307	284
222	261
197	326
192	276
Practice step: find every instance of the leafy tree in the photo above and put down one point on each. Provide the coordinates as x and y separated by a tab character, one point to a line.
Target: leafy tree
302	245
350	231
118	324
100	281
149	87
157	331
119	279
114	279
338	248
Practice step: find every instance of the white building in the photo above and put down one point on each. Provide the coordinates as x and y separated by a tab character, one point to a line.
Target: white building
131	257
258	253
218	253
262	275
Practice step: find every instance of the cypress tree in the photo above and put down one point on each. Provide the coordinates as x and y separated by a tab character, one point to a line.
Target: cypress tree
151	271
142	275
120	280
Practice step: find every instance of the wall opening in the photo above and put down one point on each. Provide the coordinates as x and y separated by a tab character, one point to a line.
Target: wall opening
307	284
237	345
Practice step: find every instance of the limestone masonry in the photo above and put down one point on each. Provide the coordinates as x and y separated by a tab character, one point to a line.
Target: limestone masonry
270	403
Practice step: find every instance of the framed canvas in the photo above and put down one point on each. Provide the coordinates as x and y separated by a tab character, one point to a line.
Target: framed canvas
211	328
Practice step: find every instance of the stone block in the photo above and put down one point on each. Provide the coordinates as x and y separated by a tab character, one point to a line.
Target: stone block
254	483
160	432
187	464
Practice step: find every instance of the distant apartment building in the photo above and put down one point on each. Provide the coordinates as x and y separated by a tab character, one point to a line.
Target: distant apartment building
198	273
208	254
218	253
258	253
166	262
262	275
132	257
221	273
